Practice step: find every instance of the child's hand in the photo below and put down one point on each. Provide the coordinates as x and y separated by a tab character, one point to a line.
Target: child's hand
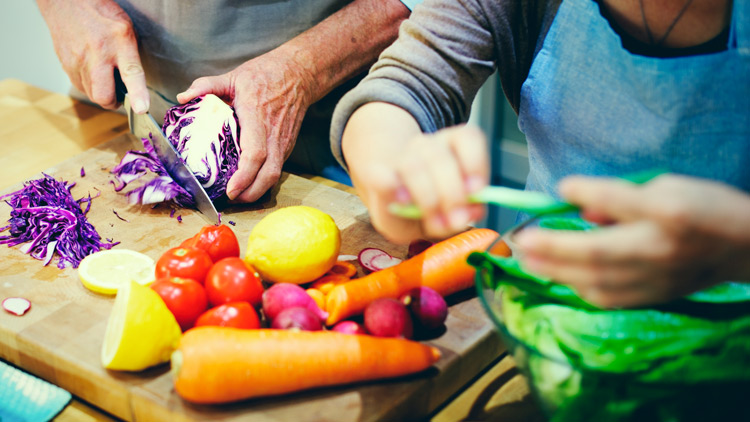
437	172
673	236
398	163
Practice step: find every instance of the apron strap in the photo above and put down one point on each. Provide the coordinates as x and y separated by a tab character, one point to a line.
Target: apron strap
739	32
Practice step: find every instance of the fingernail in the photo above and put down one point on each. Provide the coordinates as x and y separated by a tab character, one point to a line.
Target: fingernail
438	221
232	194
187	94
531	264
526	240
140	106
402	195
474	184
459	218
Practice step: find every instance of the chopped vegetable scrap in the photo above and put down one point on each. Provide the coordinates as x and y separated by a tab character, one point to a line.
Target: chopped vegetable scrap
136	164
46	215
16	305
118	216
205	133
83	172
374	259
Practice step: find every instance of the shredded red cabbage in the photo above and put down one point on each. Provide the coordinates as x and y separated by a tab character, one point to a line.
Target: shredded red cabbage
46	215
205	133
136	164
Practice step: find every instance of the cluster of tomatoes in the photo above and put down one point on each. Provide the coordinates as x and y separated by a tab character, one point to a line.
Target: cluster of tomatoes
205	282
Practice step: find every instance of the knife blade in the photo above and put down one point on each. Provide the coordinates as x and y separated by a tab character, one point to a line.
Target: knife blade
144	126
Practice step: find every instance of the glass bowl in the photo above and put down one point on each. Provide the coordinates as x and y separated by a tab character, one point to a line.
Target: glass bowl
683	361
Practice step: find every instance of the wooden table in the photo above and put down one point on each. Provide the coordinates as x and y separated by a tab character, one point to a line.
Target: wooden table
40	129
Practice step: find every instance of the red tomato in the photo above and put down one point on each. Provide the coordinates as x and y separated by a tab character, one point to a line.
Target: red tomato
231	280
182	262
219	241
235	314
186	298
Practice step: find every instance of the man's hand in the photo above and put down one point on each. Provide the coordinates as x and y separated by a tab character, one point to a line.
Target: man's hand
91	39
270	95
272	92
673	236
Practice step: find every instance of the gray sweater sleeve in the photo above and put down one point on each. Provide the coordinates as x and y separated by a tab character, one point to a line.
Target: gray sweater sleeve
444	53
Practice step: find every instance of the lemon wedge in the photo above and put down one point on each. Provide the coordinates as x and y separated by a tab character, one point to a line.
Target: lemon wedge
107	270
141	331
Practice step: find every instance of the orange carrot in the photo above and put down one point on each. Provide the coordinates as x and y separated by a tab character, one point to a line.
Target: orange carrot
326	283
442	267
344	268
318	296
222	364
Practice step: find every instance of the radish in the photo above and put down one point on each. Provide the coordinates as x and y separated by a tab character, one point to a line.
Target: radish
386	317
16	305
417	247
287	295
427	306
297	319
374	259
349	327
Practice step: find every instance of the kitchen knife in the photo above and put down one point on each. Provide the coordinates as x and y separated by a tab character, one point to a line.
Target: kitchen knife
144	126
531	202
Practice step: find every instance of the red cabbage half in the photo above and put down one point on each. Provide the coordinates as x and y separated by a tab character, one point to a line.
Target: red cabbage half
46	216
205	133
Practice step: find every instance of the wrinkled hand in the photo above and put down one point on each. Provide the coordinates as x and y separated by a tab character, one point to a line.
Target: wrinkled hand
270	95
674	235
436	172
91	39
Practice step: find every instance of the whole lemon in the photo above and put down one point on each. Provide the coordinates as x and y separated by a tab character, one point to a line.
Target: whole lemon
295	244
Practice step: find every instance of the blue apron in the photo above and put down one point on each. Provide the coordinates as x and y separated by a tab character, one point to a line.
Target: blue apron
591	107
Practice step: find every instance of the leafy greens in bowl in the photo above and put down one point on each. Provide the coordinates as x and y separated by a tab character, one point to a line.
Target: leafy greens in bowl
683	361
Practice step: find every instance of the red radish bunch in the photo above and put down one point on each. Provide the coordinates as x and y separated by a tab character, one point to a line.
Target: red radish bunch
427	306
294	306
349	327
417	247
297	319
386	317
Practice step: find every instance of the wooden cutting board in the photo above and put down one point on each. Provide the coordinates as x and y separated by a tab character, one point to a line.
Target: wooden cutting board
60	338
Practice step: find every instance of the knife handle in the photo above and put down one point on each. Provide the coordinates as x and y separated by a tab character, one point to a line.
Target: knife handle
120	88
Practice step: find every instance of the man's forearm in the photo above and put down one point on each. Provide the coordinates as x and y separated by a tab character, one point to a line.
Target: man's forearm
345	43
